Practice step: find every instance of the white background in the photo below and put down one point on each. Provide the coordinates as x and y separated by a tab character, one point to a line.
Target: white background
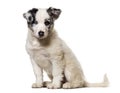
91	28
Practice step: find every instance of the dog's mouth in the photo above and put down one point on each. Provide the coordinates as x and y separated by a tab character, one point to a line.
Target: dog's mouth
39	37
42	37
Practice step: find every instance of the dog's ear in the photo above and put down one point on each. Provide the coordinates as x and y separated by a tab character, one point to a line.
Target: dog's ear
31	12
24	15
53	12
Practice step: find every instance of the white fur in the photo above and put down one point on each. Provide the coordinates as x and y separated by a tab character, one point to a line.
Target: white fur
40	17
56	58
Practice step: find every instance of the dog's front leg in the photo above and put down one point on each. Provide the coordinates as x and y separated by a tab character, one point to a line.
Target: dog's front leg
39	75
57	72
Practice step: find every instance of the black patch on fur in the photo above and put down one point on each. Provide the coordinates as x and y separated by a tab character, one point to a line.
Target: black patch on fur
32	19
53	12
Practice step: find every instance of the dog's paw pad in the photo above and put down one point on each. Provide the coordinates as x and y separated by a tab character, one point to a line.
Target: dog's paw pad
53	86
67	85
37	85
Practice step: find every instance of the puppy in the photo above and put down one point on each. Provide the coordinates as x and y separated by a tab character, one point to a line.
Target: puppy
49	53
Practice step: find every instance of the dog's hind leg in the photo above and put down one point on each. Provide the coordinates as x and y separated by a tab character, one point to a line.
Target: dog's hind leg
74	77
69	85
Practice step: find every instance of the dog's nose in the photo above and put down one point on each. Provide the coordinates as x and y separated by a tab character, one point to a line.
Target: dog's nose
41	33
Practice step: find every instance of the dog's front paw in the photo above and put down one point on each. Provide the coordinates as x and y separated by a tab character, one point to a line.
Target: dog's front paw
66	85
46	83
37	85
53	86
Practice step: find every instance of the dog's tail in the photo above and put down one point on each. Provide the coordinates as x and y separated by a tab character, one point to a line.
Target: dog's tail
105	83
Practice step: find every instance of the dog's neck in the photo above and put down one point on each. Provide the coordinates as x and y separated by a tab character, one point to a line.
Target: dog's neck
41	42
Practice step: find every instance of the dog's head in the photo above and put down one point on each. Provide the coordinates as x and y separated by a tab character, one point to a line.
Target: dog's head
41	21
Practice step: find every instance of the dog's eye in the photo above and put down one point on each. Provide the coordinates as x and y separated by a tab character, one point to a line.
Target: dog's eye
30	18
47	23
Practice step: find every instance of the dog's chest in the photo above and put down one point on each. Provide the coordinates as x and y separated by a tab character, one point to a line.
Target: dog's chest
36	49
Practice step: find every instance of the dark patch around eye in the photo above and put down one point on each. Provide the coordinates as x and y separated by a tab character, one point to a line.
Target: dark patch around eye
32	19
47	23
29	18
36	22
